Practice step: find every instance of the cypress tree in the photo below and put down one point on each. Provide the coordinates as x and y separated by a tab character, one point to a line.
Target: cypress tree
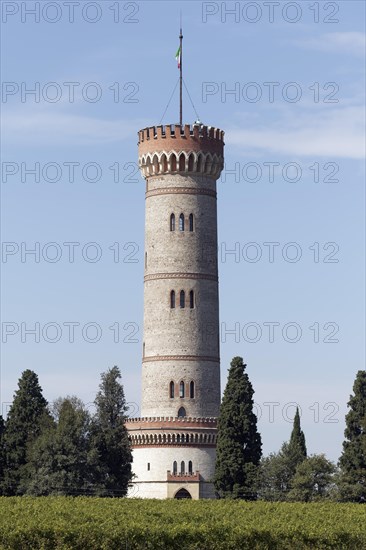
110	454
2	451
278	469
352	484
239	444
296	450
22	427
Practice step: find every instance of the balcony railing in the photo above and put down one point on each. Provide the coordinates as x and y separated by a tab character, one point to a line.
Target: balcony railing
186	476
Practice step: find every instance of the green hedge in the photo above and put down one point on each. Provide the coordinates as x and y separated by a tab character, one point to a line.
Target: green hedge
126	524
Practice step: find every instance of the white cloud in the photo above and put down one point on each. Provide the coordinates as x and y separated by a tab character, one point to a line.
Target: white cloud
45	127
336	132
351	42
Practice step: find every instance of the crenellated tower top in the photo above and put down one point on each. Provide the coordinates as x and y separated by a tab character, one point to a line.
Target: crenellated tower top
181	149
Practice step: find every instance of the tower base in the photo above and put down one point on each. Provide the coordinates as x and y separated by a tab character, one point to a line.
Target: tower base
173	457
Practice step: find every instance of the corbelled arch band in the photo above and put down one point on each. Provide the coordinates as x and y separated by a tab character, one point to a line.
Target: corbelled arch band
168	162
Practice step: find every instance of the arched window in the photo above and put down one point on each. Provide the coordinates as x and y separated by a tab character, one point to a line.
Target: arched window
182	299
191	390
199	164
191	222
172	222
171	390
182	467
148	166
164	163
156	164
191	299
190	467
181	412
172	299
182	163
175	468
181	222
181	389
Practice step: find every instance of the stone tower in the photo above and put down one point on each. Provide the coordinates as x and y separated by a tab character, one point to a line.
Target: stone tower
174	440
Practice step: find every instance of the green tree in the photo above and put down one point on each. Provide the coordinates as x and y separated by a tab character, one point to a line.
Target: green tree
313	479
297	446
278	469
22	427
110	455
2	451
58	458
294	452
239	444
352	480
276	473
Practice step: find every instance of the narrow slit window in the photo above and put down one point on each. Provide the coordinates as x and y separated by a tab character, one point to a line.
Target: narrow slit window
191	390
182	299
181	222
191	299
182	467
190	467
181	389
171	390
175	467
191	222
172	222
172	299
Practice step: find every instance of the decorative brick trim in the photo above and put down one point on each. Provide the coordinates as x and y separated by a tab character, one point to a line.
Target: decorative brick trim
180	358
185	138
179	420
180	190
176	275
166	445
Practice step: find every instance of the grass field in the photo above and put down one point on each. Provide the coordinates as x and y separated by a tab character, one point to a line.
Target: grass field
93	523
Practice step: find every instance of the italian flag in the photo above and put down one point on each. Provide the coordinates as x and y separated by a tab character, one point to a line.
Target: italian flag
177	57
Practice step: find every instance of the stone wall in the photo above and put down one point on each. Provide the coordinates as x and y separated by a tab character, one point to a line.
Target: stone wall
161	460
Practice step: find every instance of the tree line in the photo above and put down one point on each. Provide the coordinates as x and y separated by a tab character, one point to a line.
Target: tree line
291	474
63	449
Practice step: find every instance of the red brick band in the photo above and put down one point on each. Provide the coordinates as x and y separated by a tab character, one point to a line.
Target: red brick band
181	191
180	358
196	276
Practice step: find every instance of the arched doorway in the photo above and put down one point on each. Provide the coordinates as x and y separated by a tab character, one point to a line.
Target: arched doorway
182	493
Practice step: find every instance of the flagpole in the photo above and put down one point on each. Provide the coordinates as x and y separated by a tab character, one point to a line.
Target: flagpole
181	75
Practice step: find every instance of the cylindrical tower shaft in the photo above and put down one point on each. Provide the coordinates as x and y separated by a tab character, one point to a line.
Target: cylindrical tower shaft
181	366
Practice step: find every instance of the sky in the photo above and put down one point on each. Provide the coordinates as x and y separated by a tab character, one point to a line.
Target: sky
285	81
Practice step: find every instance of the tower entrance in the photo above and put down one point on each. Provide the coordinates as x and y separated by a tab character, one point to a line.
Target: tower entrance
182	493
